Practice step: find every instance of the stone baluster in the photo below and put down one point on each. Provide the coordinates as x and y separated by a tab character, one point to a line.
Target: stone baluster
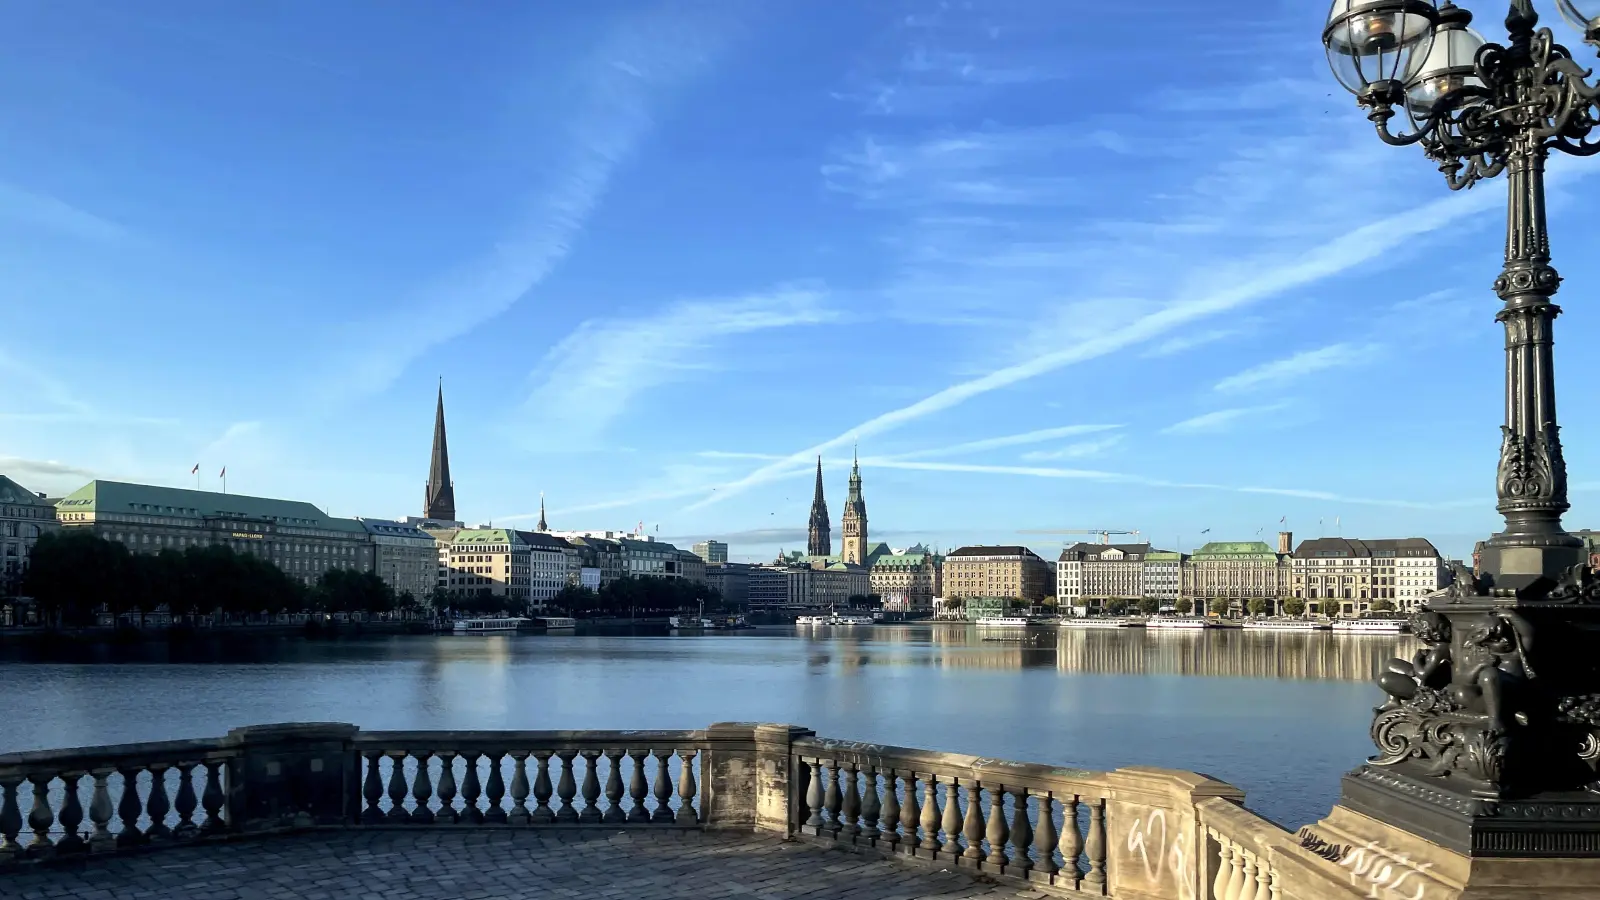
1071	841
1045	838
931	814
71	817
100	840
889	825
590	813
212	798
851	775
813	770
1263	885
129	806
1247	878
397	787
40	817
910	814
871	803
470	789
1219	884
447	814
156	805
520	815
1236	874
494	790
997	831
951	825
566	787
1022	830
663	788
542	792
1095	881
372	788
422	791
972	823
833	800
688	790
638	787
614	813
186	803
10	819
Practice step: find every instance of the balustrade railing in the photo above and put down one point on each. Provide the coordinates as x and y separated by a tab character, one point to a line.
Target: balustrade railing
1150	834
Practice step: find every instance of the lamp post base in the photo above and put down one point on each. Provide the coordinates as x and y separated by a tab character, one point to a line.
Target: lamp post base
1562	824
1526	564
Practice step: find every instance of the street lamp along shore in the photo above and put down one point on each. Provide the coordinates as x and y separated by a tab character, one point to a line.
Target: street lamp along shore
1489	740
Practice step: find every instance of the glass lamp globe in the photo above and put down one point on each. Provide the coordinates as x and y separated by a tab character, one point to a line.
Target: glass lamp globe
1584	15
1447	67
1373	42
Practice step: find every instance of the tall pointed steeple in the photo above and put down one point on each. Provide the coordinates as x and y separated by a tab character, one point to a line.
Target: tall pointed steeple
543	526
440	502
853	549
819	540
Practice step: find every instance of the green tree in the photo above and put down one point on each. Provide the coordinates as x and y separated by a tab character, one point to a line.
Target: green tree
72	573
1184	606
1258	606
1219	606
1149	605
1294	606
1382	606
1117	607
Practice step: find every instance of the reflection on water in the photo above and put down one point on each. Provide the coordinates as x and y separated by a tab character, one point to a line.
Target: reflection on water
1280	714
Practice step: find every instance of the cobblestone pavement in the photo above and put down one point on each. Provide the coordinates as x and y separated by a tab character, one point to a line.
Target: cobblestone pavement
496	864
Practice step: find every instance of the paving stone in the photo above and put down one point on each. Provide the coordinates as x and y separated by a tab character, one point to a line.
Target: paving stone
498	864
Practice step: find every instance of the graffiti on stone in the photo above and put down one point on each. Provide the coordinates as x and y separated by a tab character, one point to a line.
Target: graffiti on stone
1384	873
1161	853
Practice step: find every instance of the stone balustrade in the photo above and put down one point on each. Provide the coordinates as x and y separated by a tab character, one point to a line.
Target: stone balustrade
1134	833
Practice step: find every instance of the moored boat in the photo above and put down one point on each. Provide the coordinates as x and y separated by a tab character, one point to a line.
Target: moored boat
490	625
1286	625
1003	622
1097	622
1370	626
1177	622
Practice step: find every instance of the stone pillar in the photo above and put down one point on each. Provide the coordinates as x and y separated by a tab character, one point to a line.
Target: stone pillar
748	783
1155	844
291	776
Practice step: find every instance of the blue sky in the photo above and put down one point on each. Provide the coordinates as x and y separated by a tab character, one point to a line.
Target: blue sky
1147	272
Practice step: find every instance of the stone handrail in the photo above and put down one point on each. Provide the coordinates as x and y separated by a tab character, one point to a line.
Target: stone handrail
1133	833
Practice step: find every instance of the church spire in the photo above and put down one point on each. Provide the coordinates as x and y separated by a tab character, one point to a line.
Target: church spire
819	541
440	501
543	526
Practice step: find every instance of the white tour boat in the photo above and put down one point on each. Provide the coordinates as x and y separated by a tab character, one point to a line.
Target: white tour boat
1096	622
1370	626
1003	622
1285	625
834	619
557	623
1177	622
495	625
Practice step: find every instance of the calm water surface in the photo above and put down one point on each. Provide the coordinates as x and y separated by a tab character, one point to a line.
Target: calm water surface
1280	715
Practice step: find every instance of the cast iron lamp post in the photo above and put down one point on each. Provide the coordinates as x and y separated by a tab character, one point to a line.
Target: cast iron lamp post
1489	742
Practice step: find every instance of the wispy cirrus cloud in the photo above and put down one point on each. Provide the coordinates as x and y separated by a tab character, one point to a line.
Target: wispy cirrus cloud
1079	450
1220	420
1306	362
1182	342
35	210
1009	440
638	68
590	377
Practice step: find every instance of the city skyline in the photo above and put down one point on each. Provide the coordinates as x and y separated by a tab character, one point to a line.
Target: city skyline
1028	312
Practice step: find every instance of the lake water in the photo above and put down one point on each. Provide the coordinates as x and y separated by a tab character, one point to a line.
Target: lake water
1280	715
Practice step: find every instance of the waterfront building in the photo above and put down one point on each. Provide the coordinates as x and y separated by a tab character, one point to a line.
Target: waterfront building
853	548
602	555
1088	576
24	517
1238	571
1344	576
439	500
404	556
996	571
642	555
806	586
767	587
489	562
1163	576
1419	570
731	581
691	566
906	582
297	537
549	566
819	540
715	553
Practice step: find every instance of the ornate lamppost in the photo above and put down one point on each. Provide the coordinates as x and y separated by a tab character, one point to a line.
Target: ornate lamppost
1489	743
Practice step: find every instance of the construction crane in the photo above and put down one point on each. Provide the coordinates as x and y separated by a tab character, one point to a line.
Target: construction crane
1105	533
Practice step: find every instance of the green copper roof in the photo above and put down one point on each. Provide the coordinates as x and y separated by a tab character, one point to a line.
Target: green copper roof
1163	556
154	500
11	492
485	536
1235	550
